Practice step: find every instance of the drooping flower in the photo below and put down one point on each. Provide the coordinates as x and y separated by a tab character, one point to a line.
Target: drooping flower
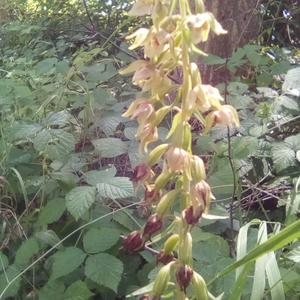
164	258
201	195
142	173
146	135
140	109
226	115
177	159
200	26
156	42
141	8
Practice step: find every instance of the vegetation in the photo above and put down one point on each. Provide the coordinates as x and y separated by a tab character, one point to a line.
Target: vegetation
68	191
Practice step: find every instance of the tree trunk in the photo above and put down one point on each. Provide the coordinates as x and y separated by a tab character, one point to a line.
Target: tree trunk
241	20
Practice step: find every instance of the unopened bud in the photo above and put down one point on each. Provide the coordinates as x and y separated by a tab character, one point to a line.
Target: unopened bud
202	192
162	279
165	202
164	258
197	168
192	215
185	248
199	286
156	154
133	242
171	243
153	225
184	276
162	179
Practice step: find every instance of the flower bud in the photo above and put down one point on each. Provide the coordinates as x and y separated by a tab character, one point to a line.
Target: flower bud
162	179
153	225
164	258
165	202
177	159
191	215
141	173
146	134
197	168
185	248
171	243
184	276
202	193
156	154
200	288
133	242
162	279
148	297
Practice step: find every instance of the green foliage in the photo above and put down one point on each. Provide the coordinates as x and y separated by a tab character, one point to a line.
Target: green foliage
67	155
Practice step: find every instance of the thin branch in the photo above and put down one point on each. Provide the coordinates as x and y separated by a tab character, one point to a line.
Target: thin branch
88	14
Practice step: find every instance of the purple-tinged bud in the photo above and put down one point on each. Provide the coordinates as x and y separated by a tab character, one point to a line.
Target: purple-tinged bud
192	215
177	159
153	225
133	242
151	195
141	173
164	258
184	276
148	297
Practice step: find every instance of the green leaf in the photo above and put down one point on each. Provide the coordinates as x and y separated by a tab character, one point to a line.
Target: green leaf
115	188
105	270
79	200
283	156
10	273
213	60
77	291
27	250
98	240
52	290
292	80
52	212
294	255
48	238
45	65
243	147
94	177
3	261
66	261
110	147
287	235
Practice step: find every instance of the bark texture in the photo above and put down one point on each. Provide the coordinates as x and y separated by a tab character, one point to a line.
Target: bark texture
240	19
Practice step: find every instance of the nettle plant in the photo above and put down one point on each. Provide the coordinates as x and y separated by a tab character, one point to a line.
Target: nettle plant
178	27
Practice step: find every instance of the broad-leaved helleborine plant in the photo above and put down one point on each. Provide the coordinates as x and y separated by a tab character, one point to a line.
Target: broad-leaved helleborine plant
178	27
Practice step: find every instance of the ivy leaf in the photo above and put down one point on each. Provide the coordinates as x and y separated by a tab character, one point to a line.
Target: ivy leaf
27	250
52	211
110	147
79	200
77	291
105	270
66	261
115	188
98	240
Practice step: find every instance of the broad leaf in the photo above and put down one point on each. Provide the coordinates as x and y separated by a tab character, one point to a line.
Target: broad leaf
98	240
66	261
77	291
79	200
52	211
105	270
27	250
110	147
